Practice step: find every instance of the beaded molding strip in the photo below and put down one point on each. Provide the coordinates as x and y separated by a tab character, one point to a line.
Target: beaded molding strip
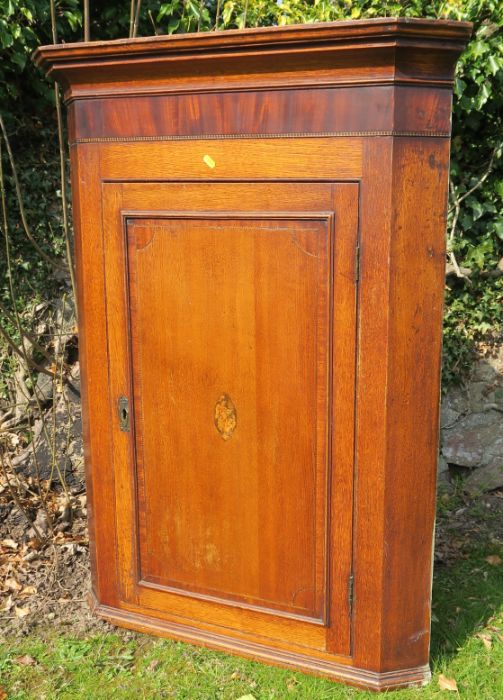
295	135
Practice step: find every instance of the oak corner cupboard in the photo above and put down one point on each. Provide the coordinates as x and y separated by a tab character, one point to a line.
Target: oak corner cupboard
259	222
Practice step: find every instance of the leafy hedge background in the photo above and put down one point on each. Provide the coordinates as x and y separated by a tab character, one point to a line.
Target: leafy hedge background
475	228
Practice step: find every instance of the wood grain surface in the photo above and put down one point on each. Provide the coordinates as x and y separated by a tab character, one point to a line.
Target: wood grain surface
260	221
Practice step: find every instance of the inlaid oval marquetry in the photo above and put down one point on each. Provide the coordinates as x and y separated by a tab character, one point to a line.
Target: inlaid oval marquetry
225	417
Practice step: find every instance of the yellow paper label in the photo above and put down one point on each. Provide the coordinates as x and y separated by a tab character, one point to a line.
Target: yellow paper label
209	161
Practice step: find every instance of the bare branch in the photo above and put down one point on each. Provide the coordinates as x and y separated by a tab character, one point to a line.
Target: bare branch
53	22
461	273
476	186
17	500
131	18
64	193
14	346
136	18
27	335
87	33
59	118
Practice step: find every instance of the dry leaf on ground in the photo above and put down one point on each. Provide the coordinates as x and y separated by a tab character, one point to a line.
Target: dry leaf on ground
447	683
28	591
238	676
494	560
246	697
486	639
6	605
3	694
12	585
25	660
291	683
21	612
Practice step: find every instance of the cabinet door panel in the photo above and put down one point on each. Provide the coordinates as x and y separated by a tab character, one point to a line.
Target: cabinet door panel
228	328
229	358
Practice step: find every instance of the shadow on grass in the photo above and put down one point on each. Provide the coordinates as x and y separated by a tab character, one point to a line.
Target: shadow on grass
465	597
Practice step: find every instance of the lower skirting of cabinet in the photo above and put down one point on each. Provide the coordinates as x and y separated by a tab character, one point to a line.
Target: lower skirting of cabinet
359	677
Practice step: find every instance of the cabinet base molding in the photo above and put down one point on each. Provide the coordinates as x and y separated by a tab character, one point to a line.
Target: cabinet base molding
358	677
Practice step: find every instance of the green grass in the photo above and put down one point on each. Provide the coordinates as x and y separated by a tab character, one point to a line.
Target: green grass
467	600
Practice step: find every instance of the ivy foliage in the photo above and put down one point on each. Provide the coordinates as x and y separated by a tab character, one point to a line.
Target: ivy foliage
24	25
475	221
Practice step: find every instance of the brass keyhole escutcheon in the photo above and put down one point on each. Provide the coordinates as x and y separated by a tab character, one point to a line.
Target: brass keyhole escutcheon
225	417
123	411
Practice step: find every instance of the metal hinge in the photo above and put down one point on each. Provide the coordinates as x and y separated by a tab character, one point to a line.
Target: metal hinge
351	586
357	262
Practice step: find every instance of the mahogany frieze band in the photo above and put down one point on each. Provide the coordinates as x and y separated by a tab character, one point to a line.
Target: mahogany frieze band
368	111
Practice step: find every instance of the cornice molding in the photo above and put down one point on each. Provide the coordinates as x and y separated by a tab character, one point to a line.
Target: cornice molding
370	51
392	31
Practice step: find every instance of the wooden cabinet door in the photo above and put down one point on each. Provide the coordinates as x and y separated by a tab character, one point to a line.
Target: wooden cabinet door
232	329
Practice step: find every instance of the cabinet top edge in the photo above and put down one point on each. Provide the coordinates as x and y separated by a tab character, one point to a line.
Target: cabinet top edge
346	33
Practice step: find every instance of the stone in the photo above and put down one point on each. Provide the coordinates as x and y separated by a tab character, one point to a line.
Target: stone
44	388
448	415
456	400
442	465
498	398
443	476
471	423
485	478
479	396
475	441
65	416
484	371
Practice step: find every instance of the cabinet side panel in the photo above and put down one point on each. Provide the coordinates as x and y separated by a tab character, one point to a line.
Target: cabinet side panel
375	206
420	176
94	368
343	403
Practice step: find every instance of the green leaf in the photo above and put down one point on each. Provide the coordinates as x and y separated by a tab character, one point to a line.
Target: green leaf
479	48
494	64
6	39
173	25
476	208
227	12
163	11
459	86
19	59
485	93
26	13
194	8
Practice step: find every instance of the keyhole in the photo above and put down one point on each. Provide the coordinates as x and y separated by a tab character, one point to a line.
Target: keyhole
123	413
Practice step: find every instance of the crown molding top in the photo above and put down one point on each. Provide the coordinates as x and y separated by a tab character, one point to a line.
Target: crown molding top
361	51
347	32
